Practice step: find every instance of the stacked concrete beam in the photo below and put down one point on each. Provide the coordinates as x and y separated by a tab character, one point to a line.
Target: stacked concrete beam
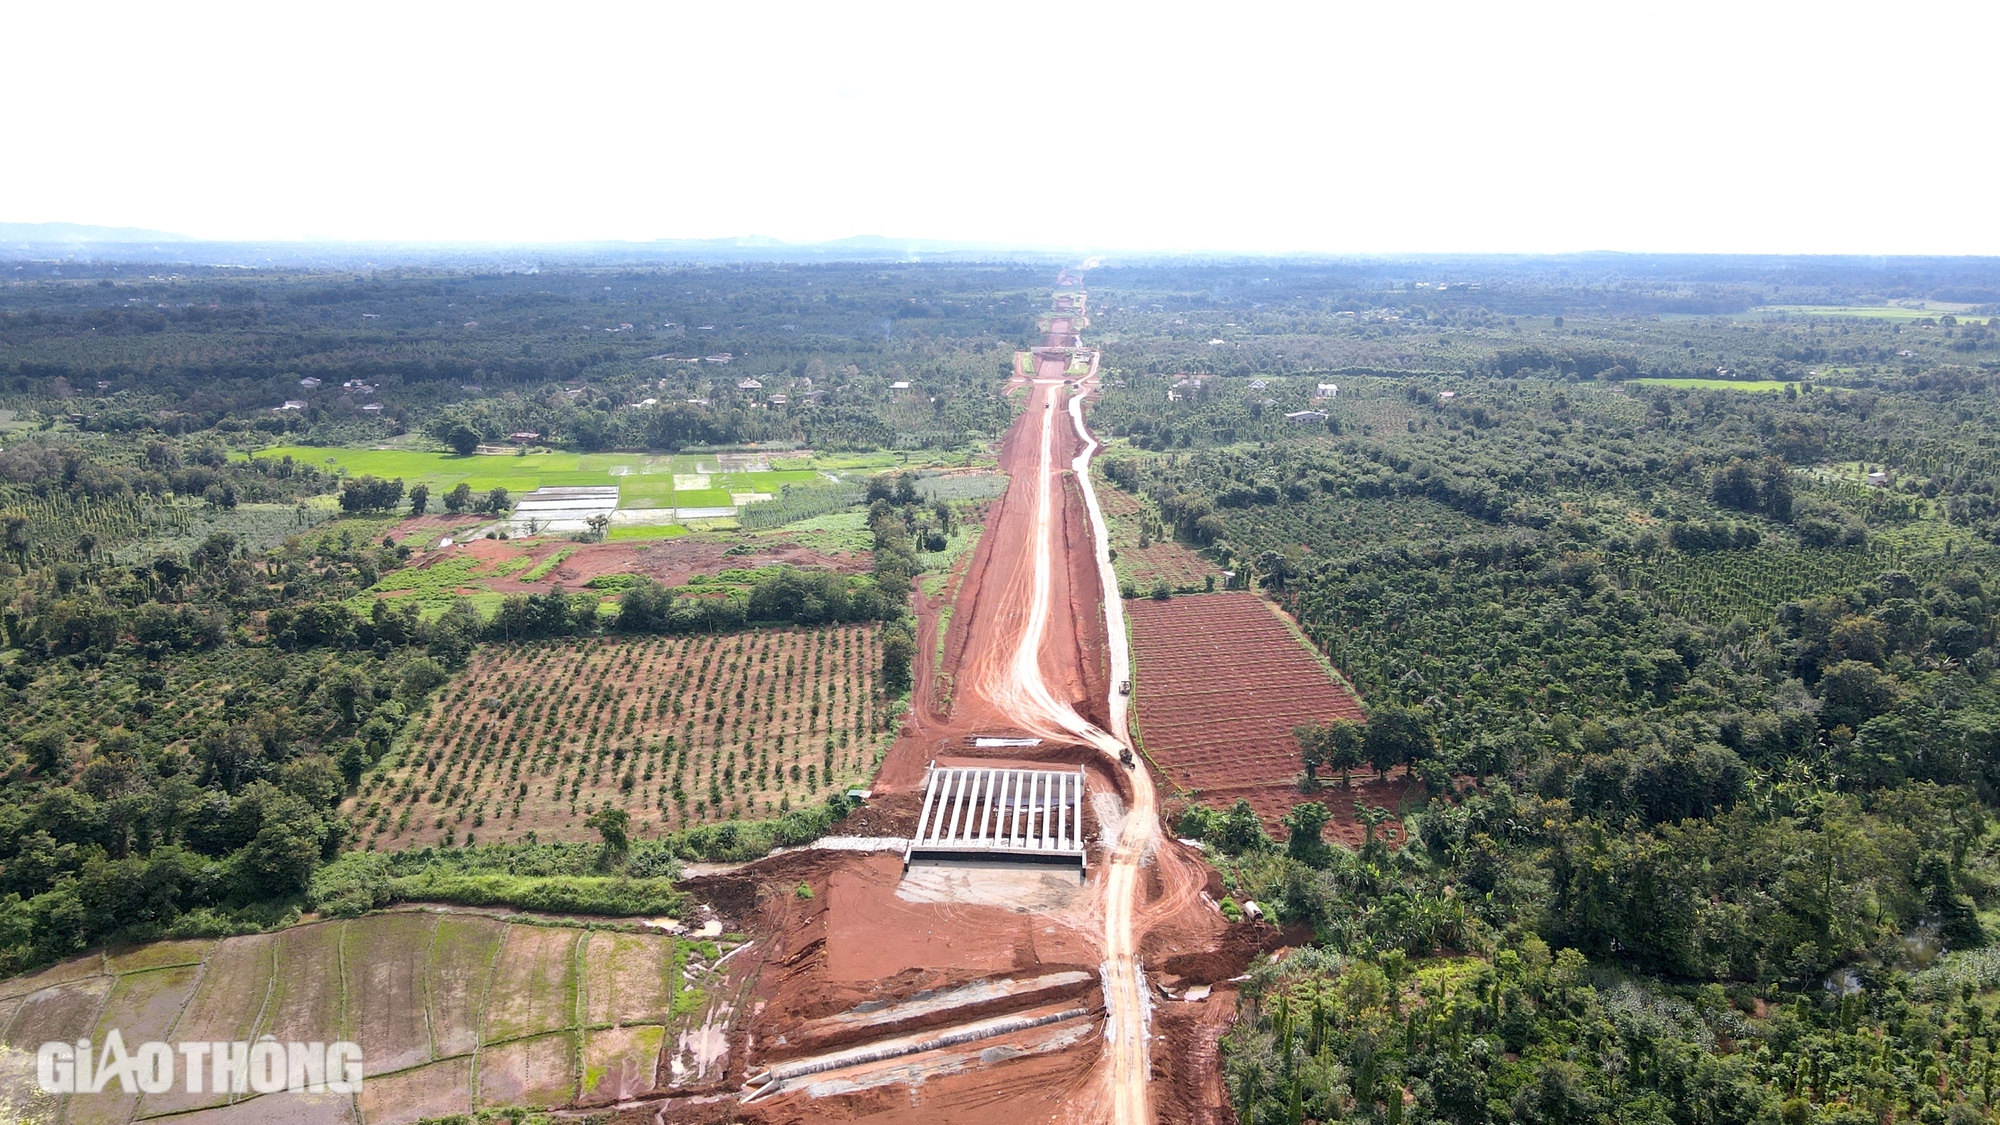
977	812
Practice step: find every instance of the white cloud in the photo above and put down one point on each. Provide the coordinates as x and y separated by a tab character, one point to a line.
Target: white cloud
1683	127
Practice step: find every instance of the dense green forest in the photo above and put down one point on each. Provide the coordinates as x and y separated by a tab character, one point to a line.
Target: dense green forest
1702	670
1674	582
503	352
181	731
194	677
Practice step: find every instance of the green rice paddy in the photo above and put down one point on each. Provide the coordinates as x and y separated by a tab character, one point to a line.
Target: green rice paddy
644	531
644	481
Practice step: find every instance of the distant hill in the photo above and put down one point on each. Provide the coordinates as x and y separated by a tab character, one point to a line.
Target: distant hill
756	245
81	243
82	232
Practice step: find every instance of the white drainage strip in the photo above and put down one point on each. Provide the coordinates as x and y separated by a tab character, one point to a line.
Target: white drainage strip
773	1079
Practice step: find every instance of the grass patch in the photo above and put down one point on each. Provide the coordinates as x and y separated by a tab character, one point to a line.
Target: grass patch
645	531
560	878
543	568
433	587
643	481
442	471
941	562
836	533
733	841
892	461
1754	386
556	894
1860	312
614	581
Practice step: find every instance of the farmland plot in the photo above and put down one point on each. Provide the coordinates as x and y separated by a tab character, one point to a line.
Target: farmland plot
1220	684
456	979
234	986
385	1012
304	1001
502	1000
628	979
1146	554
142	1007
534	984
674	730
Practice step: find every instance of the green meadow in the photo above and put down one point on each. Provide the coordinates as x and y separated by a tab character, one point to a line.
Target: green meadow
645	531
831	533
1755	386
1864	312
643	480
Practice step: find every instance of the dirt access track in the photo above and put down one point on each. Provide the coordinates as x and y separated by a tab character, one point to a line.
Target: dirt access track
986	993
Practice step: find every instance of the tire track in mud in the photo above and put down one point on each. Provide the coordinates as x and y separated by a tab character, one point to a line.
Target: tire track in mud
1023	695
1125	989
1023	655
1025	698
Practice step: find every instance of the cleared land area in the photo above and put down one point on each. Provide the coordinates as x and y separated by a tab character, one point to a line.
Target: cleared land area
453	1012
644	481
1144	557
1220	684
674	730
485	571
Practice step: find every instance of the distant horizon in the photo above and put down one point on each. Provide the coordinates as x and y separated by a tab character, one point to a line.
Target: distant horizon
61	233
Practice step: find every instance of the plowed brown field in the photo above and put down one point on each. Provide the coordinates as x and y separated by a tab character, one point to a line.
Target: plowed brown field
1220	684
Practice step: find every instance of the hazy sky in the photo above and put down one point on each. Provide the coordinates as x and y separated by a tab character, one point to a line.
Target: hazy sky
1742	126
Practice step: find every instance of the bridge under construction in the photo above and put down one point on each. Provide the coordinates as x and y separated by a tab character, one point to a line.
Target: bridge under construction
973	812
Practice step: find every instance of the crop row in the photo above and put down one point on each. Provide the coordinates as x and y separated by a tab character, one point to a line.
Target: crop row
451	1011
1221	684
1716	586
1146	555
674	730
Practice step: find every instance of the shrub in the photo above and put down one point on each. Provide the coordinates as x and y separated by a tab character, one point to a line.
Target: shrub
559	894
353	884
